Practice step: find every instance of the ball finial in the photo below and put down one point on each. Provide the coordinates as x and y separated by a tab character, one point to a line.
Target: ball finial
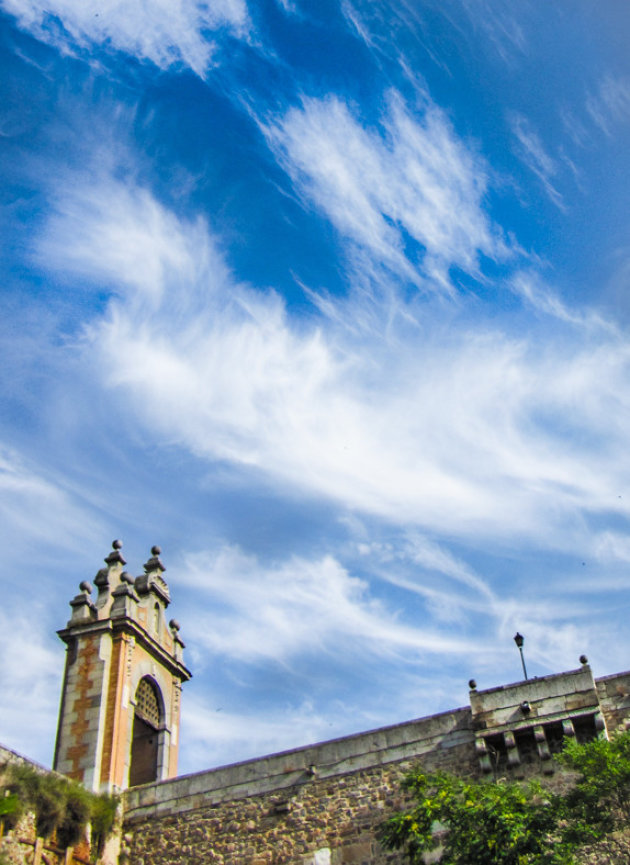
86	587
116	545
472	685
174	625
583	659
155	550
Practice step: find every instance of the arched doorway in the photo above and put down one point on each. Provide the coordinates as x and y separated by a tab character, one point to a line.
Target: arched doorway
147	721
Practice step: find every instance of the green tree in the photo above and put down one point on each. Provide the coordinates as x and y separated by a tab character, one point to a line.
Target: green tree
478	823
599	800
507	823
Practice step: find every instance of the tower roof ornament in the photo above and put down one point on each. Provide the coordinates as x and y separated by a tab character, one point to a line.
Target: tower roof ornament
115	557
83	608
154	563
152	579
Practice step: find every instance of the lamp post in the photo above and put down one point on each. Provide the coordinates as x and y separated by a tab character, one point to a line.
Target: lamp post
519	639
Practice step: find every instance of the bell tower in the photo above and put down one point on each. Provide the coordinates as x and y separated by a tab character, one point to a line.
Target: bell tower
120	704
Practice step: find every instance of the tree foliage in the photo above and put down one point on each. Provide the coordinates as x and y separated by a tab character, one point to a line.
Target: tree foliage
477	823
599	801
468	822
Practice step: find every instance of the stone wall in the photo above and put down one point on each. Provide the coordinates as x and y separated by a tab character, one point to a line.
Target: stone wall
318	805
614	698
319	823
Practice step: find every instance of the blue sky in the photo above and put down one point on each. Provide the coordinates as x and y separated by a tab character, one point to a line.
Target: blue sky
330	300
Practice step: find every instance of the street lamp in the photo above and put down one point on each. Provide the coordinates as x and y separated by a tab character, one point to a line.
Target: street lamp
519	639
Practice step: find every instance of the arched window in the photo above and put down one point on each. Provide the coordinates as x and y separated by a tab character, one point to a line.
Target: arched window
147	721
156	618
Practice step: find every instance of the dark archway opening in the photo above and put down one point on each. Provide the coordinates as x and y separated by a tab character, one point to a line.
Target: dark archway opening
145	737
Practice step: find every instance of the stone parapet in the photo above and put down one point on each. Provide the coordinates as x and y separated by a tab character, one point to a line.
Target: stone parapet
614	698
438	734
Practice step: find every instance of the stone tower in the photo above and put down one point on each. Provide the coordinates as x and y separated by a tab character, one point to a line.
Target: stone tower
120	704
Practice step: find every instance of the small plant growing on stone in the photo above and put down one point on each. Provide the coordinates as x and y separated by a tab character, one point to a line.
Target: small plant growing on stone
59	805
102	818
40	793
76	815
10	809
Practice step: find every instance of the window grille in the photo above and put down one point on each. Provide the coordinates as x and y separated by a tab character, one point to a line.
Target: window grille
147	703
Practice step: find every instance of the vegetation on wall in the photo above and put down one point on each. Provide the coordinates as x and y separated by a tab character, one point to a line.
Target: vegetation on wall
467	822
59	805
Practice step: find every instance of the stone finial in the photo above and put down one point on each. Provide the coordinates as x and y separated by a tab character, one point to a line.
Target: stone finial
83	609
178	643
124	600
154	563
472	685
583	660
115	557
126	577
152	579
101	578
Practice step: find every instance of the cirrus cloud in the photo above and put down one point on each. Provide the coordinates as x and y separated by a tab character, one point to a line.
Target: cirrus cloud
165	33
407	195
452	427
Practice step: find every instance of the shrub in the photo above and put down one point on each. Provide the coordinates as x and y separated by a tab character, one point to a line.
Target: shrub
59	805
76	815
102	818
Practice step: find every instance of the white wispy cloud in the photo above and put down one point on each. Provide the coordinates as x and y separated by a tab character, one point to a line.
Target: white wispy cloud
610	104
410	178
385	27
533	153
297	606
36	510
420	565
216	735
531	288
574	127
30	679
451	427
217	731
506	32
163	32
355	19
